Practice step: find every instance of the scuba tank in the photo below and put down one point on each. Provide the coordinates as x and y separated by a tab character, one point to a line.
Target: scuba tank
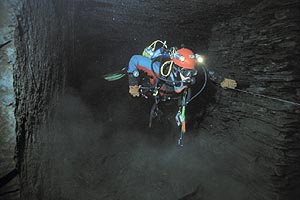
150	51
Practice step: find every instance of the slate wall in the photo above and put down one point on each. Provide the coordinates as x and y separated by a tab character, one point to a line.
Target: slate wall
260	49
43	43
9	183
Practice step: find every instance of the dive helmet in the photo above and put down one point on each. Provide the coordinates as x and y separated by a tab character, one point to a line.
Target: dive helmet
184	58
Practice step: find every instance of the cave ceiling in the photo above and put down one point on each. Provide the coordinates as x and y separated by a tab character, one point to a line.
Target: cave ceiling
121	21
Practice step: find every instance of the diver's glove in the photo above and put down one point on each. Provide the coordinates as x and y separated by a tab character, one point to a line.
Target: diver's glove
228	83
134	90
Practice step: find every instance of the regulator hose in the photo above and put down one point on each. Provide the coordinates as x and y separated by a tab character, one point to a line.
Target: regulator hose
171	82
202	88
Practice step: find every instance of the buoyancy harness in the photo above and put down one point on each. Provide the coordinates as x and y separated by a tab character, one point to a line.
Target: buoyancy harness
162	79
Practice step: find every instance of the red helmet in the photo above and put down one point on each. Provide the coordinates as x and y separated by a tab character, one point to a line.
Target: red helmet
184	58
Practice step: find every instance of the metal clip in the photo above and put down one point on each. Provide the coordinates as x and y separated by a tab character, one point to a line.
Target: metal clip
180	140
177	118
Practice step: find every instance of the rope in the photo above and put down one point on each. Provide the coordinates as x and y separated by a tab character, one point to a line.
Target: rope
265	96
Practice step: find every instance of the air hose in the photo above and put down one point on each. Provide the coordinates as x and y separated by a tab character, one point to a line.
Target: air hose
169	82
170	62
202	88
155	42
148	51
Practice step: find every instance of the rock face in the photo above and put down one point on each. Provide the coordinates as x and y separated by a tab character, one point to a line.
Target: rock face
261	48
95	146
34	63
7	100
256	43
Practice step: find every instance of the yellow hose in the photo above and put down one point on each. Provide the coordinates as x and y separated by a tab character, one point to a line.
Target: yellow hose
170	62
148	51
154	44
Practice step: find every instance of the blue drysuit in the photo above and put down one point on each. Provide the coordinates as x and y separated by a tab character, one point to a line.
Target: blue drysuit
139	62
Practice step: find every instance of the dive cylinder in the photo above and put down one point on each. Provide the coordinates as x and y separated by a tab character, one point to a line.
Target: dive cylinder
148	52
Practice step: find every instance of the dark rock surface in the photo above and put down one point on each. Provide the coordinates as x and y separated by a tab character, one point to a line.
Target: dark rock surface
254	43
41	38
262	49
7	102
95	144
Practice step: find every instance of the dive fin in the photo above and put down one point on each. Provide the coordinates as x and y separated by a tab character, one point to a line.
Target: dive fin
115	75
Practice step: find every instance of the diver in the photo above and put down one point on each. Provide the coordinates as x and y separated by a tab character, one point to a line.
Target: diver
170	71
167	74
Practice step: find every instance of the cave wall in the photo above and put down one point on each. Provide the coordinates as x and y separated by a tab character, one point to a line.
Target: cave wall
260	49
7	101
43	42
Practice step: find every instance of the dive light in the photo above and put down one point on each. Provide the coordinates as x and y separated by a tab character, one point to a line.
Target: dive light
199	58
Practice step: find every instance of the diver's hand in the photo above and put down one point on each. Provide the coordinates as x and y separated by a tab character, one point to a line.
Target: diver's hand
134	90
228	83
